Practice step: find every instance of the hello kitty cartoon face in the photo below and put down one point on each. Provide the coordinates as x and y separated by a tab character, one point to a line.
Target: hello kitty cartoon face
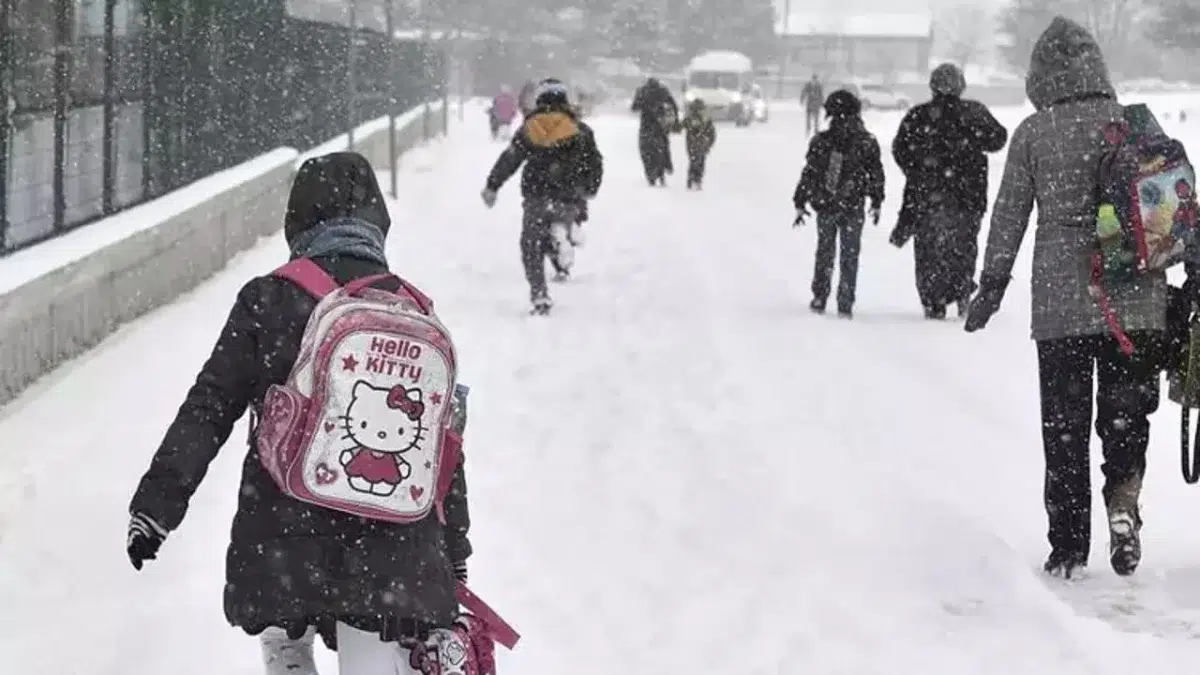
385	420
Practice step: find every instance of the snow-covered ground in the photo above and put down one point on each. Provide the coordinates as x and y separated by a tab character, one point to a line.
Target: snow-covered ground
682	470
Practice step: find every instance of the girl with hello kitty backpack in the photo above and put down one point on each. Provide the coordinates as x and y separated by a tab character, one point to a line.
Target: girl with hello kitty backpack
352	514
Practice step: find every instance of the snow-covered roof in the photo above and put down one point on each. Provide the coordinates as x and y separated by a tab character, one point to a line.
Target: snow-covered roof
911	25
722	61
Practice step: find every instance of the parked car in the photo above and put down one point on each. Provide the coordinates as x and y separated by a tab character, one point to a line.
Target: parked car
758	104
881	97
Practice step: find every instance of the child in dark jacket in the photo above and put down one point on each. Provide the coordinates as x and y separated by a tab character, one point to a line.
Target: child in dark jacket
292	566
842	171
699	135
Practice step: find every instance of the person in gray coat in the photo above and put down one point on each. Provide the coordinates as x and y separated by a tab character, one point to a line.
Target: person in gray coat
1053	159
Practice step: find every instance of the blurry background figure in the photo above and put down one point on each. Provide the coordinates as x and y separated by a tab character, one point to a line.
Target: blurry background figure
812	97
659	117
502	112
699	135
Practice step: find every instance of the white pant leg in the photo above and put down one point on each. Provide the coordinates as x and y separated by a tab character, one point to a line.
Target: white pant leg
363	653
564	252
284	656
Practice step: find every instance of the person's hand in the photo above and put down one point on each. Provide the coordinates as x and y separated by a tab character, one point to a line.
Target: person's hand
801	215
489	197
145	538
985	303
874	212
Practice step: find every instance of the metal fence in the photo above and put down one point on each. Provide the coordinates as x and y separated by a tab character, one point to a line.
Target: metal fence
109	103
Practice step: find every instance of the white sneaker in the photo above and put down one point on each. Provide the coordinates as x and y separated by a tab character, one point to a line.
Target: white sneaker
575	234
284	656
564	252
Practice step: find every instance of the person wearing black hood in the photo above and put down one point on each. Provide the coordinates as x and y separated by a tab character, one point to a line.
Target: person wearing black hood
842	171
291	566
659	117
941	147
563	170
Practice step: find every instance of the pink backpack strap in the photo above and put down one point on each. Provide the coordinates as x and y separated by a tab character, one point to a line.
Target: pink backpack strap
422	300
308	275
498	628
364	282
1106	308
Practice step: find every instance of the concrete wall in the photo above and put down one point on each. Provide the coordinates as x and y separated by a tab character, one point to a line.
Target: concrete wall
159	251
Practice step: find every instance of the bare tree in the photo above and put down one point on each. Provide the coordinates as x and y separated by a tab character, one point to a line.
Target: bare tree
967	29
1116	25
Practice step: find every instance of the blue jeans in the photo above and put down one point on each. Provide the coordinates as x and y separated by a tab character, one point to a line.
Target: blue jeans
846	226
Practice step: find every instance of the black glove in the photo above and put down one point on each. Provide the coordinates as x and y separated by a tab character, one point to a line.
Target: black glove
985	303
460	571
801	214
145	536
874	212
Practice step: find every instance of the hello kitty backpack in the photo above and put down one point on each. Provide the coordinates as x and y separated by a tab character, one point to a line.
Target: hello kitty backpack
362	424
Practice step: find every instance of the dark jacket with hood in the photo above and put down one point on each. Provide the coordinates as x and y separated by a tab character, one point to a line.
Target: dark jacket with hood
848	137
291	564
1053	161
699	132
941	148
562	161
656	107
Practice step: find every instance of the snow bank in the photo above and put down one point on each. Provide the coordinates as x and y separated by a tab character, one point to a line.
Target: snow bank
61	297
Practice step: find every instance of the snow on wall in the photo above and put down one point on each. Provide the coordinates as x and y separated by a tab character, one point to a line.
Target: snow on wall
59	298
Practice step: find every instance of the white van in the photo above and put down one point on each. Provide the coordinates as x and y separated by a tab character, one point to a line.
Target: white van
723	80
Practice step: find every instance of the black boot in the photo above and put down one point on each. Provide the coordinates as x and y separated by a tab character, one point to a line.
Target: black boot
817	305
1065	564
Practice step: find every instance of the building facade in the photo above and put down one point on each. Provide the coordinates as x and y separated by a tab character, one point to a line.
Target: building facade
881	47
110	103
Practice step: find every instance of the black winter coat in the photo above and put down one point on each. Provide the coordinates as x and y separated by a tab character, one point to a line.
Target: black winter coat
861	159
941	148
562	161
291	564
699	134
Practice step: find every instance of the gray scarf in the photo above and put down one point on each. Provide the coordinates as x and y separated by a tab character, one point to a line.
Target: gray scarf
343	237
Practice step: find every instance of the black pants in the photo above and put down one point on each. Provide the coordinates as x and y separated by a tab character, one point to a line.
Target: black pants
537	243
946	254
831	227
1127	394
696	164
812	121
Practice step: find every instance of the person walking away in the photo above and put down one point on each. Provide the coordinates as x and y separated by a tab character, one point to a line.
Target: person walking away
1053	161
563	169
527	98
699	136
379	587
941	148
812	97
842	171
284	655
503	110
659	116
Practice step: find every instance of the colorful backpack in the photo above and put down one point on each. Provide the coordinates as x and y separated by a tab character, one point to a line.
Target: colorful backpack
468	647
1146	219
363	423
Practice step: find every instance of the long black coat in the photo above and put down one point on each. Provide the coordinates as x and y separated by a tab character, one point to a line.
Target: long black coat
941	147
659	115
291	564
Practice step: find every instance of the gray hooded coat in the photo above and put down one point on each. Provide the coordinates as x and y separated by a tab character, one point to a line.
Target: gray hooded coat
1053	159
